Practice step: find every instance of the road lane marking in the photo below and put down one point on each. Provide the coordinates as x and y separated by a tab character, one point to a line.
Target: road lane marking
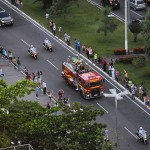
25	42
130	132
136	13
70	49
52	64
102	107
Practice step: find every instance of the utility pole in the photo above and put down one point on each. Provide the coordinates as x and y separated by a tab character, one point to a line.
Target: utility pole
126	27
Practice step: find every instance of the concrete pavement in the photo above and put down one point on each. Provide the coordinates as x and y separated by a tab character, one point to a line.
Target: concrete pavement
11	76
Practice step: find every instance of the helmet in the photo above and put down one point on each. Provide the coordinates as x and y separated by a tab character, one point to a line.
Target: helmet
31	46
46	39
141	128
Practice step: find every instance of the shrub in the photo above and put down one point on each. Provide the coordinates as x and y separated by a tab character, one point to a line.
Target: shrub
138	62
121	51
128	59
146	73
139	50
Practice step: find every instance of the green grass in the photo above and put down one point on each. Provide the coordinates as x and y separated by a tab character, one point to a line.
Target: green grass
82	23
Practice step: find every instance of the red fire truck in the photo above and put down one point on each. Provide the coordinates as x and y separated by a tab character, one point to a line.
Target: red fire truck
81	76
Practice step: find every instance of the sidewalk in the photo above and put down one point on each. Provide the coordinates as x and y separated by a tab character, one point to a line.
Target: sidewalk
11	76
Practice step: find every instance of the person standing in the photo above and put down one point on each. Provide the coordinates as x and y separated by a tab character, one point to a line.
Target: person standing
44	87
46	16
133	93
37	91
106	132
113	72
18	64
14	61
59	31
95	57
51	25
54	28
116	74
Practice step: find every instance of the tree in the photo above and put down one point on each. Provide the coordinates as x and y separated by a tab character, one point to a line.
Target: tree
108	24
68	130
135	27
146	33
11	93
46	3
60	127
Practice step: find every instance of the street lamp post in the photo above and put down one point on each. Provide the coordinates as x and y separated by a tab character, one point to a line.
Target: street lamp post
117	97
126	27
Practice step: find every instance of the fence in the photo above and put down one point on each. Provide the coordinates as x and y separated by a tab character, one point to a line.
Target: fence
19	147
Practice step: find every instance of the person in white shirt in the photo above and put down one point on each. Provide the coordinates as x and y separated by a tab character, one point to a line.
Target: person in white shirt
44	87
90	52
54	28
141	132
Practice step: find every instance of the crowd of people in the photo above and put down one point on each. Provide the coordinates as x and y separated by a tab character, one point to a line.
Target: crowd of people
41	88
108	66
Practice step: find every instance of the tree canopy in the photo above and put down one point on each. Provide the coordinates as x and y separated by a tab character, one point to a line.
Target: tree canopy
60	127
135	27
108	24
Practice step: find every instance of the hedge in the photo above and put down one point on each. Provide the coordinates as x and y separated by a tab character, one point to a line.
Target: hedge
120	51
139	50
129	59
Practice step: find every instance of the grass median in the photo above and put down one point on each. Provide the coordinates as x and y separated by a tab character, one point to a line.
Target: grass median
82	23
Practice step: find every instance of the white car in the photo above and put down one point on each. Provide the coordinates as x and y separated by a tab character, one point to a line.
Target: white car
137	4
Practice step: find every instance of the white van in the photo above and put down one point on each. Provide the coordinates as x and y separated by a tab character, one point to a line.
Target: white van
137	4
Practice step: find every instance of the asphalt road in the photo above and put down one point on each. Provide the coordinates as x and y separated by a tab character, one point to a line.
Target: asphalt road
121	13
131	114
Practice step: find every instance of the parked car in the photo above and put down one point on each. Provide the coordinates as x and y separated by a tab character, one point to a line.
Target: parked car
137	4
5	18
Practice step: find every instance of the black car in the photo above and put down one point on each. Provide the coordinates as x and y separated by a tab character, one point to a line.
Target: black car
5	18
114	4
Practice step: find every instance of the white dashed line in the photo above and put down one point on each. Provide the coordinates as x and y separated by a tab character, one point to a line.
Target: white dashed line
130	132
102	107
25	43
52	64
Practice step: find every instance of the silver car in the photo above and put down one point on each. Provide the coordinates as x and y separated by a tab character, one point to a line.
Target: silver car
137	4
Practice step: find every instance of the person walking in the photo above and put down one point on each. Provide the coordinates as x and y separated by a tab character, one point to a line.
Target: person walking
18	64
44	87
37	92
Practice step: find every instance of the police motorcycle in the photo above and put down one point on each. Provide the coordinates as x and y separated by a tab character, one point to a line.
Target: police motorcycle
47	44
32	51
142	137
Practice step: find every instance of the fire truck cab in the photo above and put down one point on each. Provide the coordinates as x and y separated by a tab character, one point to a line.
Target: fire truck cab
79	75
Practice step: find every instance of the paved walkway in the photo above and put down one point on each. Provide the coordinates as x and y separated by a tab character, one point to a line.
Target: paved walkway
11	76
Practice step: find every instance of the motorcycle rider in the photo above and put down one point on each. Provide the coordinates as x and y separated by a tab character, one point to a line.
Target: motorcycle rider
32	49
141	132
46	41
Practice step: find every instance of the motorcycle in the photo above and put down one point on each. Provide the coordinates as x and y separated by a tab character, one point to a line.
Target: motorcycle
143	138
47	45
32	51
